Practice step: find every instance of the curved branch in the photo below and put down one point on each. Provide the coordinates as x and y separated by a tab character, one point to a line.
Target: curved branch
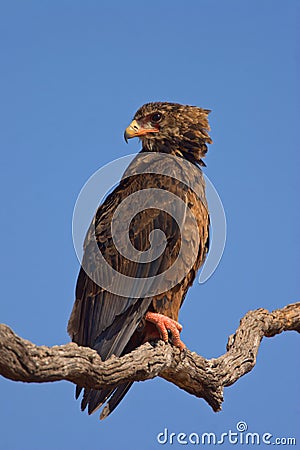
21	360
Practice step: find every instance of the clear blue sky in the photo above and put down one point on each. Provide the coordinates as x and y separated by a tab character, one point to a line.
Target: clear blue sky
72	75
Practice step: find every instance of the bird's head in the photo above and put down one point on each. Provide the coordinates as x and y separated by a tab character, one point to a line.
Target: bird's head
172	128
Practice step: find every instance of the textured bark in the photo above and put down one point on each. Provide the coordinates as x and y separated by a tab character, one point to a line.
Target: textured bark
21	360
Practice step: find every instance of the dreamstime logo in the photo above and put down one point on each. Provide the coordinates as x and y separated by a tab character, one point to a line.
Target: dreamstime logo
240	435
126	209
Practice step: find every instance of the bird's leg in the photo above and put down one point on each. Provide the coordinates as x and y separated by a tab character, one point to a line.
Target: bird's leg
165	326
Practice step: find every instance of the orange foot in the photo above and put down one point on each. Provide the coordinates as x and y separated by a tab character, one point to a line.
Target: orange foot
164	325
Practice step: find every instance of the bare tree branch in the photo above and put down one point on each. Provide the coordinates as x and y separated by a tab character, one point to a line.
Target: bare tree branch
20	360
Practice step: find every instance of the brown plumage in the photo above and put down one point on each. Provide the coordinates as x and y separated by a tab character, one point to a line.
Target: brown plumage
114	324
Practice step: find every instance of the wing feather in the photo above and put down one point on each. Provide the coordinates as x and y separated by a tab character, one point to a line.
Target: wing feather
103	320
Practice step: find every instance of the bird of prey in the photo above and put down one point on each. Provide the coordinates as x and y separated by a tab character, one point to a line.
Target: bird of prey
114	324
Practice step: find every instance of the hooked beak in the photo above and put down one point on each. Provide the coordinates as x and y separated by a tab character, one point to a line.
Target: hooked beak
135	130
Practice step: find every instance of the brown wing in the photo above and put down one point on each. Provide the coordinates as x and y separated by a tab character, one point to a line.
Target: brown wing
106	321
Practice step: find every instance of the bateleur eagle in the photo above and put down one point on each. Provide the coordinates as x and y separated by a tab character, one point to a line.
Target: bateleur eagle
113	324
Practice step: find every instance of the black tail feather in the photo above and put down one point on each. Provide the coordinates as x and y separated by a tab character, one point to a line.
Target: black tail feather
115	399
77	391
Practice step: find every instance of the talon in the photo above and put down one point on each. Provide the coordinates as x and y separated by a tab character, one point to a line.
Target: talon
168	328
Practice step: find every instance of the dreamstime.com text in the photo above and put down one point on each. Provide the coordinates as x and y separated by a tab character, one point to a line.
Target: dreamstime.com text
240	435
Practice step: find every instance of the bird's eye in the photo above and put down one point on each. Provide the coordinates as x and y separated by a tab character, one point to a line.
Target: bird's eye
156	117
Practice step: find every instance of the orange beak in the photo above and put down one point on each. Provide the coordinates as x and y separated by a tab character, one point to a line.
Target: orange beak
135	130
